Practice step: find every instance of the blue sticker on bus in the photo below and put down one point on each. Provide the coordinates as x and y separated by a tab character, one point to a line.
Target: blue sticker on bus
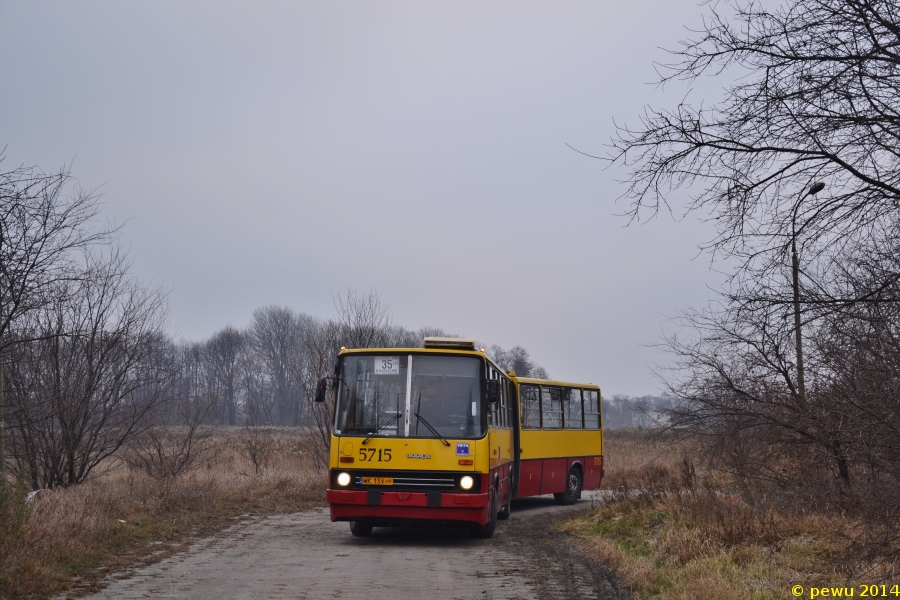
462	449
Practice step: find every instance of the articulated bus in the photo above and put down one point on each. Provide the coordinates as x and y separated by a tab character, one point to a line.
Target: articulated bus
442	434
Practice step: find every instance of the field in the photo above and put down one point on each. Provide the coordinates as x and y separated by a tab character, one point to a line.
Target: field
673	531
669	529
69	538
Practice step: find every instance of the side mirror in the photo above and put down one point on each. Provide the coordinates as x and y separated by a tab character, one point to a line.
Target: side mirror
493	391
321	388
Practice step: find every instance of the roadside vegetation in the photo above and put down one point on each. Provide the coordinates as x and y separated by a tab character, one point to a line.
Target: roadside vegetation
674	529
70	537
789	383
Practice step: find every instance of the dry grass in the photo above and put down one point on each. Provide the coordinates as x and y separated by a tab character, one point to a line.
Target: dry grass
668	531
71	537
673	533
629	451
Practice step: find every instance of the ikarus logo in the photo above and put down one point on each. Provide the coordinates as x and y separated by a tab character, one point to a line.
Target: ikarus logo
418	456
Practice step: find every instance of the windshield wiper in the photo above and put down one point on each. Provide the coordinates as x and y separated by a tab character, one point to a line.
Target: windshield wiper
384	426
432	429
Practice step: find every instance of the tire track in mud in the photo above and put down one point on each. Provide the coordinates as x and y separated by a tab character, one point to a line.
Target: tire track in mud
550	559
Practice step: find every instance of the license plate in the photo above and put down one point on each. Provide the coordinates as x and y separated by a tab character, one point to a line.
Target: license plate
378	481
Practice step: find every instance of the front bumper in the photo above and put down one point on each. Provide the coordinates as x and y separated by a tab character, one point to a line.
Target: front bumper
392	506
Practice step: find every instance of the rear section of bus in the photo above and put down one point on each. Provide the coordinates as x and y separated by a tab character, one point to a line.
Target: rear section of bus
410	439
560	440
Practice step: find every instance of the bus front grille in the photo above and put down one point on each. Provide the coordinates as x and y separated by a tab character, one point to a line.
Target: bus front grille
406	481
423	483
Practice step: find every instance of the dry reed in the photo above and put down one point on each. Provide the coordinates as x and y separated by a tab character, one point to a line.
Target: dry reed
671	532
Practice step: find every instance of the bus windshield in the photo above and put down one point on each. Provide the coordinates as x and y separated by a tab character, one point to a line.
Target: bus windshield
410	395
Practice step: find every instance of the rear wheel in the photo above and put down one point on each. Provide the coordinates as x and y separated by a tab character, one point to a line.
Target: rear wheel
573	488
360	529
487	530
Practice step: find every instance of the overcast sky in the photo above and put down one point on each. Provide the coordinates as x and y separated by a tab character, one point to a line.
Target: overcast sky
280	153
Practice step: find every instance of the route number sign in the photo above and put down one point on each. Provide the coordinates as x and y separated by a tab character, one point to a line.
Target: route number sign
387	365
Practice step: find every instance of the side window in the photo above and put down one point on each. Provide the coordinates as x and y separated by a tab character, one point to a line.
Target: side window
591	409
501	422
494	406
501	412
531	406
573	409
504	402
508	390
552	407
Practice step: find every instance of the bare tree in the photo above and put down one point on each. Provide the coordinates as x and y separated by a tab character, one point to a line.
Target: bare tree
258	403
812	96
224	350
256	446
277	337
517	359
179	435
736	375
792	375
364	319
363	322
401	337
43	228
321	344
87	372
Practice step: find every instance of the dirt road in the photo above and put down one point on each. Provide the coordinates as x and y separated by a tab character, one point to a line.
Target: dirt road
306	556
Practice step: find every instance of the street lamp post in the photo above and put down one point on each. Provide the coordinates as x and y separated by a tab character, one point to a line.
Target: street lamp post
2	424
795	263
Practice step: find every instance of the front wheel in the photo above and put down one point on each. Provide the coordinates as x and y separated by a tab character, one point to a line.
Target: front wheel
573	488
360	529
487	530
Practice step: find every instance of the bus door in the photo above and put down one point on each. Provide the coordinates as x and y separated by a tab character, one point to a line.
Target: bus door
517	437
501	435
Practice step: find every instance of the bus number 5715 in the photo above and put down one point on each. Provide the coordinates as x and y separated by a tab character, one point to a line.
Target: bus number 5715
370	454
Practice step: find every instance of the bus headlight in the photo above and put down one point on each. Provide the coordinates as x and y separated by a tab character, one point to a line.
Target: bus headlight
343	479
466	482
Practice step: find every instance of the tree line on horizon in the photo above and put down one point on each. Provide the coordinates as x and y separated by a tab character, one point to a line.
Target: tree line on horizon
637	412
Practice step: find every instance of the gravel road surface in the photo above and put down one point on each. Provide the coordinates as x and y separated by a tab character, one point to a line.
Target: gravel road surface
306	556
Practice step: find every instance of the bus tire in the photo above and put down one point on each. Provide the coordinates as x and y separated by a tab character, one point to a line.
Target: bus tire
487	530
507	508
573	488
360	529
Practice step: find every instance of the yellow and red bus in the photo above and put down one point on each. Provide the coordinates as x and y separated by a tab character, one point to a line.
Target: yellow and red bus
441	433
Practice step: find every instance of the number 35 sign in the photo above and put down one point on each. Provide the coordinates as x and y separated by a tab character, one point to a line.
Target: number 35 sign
387	365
